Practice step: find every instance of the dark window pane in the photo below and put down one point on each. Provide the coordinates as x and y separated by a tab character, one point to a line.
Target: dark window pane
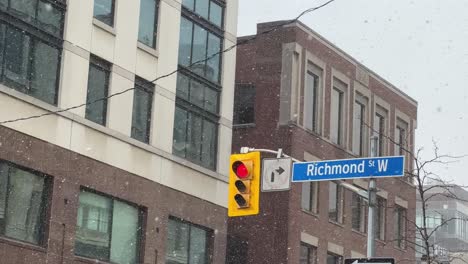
332	201
98	80
141	119
189	4
125	229
21	196
209	136
178	242
50	18
310	101
211	100
180	132
305	196
44	79
201	8
194	133
17	58
183	86
197	90
93	226
104	11
185	42
244	104
199	50
26	9
147	25
198	245
213	64
216	14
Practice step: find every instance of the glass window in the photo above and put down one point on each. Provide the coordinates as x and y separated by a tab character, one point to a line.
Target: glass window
22	60
358	213
185	42
380	218
98	86
336	117
195	138
148	20
44	79
208	10
213	64
244	104
201	8
335	202
142	108
50	18
104	11
334	259
380	130
187	243
197	98
107	229
310	101
358	128
42	14
216	14
400	227
22	204
400	137
308	254
201	50
309	197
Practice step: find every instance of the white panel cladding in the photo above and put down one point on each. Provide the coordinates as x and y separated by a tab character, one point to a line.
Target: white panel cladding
73	78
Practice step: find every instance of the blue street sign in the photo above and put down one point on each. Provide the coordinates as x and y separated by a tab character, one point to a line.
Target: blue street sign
376	167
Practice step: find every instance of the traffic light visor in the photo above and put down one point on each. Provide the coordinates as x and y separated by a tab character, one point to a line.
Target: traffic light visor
241	169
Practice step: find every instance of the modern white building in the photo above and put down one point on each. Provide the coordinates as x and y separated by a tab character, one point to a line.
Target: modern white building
139	173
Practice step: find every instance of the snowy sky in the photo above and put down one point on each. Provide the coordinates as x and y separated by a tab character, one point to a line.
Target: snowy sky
421	46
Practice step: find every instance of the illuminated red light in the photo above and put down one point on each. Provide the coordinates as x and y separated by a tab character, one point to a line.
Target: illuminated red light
241	169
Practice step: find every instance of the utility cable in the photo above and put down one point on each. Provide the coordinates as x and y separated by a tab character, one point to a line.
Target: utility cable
242	42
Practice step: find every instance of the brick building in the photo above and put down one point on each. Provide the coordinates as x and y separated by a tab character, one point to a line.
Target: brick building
137	178
297	91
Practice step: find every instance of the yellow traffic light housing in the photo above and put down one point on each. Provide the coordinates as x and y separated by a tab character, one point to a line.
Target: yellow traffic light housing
244	184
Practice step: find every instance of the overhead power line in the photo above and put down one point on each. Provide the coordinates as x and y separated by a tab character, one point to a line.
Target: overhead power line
239	43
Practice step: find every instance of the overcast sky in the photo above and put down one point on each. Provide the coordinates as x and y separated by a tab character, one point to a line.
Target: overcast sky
420	46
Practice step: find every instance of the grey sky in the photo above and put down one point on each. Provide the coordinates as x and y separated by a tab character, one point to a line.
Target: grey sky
420	46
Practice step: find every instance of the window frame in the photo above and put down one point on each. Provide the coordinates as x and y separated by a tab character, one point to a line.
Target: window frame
46	201
10	19
363	102
156	24
359	203
383	115
342	88
149	87
207	21
210	235
400	226
141	230
336	256
215	85
237	105
106	67
339	203
311	253
112	25
381	218
313	199
316	74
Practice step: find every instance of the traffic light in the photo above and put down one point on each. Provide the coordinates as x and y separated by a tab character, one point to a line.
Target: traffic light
244	184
